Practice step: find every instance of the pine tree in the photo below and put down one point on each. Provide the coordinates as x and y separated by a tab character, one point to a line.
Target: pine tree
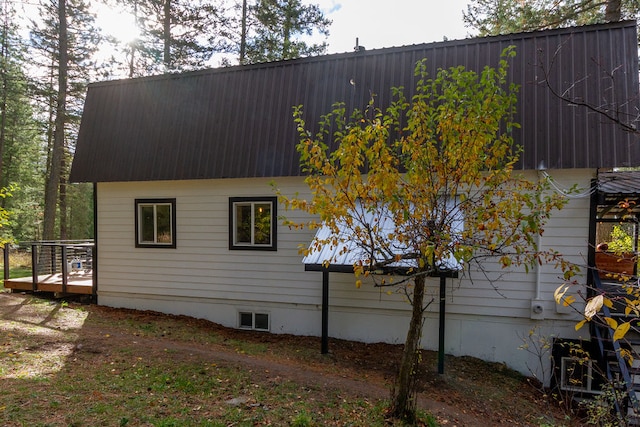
66	41
20	148
491	17
275	31
175	35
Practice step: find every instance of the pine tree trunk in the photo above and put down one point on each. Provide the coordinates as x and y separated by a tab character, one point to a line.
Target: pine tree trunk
64	235
613	11
286	32
57	150
167	35
403	403
243	35
134	44
5	88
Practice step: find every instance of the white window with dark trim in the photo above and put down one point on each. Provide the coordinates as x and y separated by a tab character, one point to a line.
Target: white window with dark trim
155	223
252	223
576	374
256	321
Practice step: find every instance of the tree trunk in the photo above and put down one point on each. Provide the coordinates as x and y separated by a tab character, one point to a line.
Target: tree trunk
243	35
613	11
167	35
5	88
64	234
57	150
134	44
403	403
3	120
286	32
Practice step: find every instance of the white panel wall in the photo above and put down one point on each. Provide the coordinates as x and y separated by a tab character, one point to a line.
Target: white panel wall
203	278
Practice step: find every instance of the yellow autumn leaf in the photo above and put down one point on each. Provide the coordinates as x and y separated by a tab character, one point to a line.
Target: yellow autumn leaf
357	270
559	293
568	300
611	322
607	302
621	331
580	324
358	283
626	355
593	306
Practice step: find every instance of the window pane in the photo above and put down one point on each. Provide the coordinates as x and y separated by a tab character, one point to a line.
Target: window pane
615	237
243	223
576	374
155	223
246	320
262	321
252	223
146	224
262	228
163	213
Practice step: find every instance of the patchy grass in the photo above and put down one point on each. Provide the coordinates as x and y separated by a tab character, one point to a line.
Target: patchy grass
19	265
74	365
128	389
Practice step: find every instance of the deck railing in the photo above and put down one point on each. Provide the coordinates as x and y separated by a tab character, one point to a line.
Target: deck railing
51	257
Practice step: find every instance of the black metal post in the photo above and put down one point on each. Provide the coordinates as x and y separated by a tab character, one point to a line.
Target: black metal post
94	249
6	261
54	267
325	312
593	226
34	267
65	267
443	289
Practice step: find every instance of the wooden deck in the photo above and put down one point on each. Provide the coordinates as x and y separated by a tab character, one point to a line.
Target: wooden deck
79	282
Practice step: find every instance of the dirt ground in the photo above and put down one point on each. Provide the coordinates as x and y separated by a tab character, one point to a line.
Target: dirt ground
470	393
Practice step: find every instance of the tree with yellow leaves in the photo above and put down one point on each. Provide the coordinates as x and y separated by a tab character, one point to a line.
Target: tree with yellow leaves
425	185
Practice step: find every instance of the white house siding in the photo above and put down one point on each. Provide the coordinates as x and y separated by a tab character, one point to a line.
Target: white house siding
203	278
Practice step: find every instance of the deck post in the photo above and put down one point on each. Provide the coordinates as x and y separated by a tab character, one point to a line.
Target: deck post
324	344
94	249
443	289
34	266
6	261
54	267
65	267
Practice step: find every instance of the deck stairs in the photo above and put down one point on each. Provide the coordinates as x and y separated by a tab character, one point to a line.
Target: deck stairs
623	373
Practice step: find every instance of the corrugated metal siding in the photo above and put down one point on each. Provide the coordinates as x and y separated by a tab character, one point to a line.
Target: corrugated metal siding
237	121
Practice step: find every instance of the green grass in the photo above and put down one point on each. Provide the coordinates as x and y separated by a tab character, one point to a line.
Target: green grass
65	364
107	384
162	393
19	272
14	273
19	265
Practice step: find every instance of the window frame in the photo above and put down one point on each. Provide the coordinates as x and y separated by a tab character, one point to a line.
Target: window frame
253	315
576	375
138	204
252	201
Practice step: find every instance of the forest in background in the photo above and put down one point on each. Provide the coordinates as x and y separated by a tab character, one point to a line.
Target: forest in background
51	50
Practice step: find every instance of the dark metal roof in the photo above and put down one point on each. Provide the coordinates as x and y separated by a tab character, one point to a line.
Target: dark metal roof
623	183
618	194
237	121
